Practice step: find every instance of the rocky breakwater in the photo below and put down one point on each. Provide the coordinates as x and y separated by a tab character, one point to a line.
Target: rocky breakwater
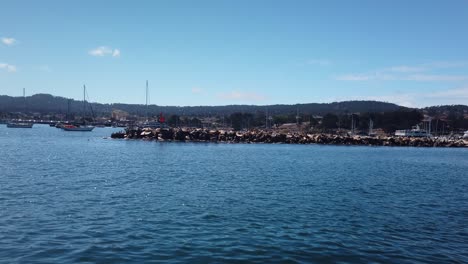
261	136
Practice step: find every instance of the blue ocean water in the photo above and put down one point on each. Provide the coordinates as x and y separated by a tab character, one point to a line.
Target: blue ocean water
77	197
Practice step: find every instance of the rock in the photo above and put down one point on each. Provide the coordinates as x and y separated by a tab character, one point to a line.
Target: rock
260	136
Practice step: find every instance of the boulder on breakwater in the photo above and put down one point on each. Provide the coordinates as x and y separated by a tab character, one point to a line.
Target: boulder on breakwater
262	136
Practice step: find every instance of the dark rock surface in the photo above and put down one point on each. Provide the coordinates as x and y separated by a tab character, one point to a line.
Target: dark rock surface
261	136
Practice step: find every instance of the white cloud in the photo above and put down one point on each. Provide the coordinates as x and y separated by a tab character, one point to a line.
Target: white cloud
241	96
9	41
116	53
320	62
429	78
405	68
8	67
101	51
104	51
354	77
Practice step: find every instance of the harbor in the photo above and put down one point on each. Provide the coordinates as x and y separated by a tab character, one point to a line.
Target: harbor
234	132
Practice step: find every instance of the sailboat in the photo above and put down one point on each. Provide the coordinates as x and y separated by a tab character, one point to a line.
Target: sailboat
20	123
160	123
83	127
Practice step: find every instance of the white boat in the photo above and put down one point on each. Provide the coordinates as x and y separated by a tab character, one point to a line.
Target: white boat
465	135
415	132
19	125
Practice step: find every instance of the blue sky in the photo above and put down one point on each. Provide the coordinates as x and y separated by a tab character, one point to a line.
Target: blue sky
413	53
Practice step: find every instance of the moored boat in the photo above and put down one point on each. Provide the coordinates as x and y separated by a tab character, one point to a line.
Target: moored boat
77	128
82	127
415	132
20	125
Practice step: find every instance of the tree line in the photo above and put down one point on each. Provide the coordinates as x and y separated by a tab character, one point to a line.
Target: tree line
388	121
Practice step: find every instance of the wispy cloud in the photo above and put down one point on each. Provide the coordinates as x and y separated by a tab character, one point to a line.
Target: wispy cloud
405	68
427	66
104	51
197	90
320	62
45	68
116	53
367	77
9	41
447	96
422	73
411	77
430	78
459	93
8	67
354	77
242	96
445	64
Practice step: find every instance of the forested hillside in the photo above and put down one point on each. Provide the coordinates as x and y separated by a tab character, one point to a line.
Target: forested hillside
48	104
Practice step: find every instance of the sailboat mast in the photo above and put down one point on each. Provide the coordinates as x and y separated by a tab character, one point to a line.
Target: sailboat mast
297	116
146	100
24	100
84	101
68	109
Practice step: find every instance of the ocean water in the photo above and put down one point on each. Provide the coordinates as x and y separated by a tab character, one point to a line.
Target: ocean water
78	197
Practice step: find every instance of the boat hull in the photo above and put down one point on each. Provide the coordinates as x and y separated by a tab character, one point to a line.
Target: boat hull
82	129
20	125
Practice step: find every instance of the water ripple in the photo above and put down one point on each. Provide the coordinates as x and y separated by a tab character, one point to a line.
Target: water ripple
68	197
